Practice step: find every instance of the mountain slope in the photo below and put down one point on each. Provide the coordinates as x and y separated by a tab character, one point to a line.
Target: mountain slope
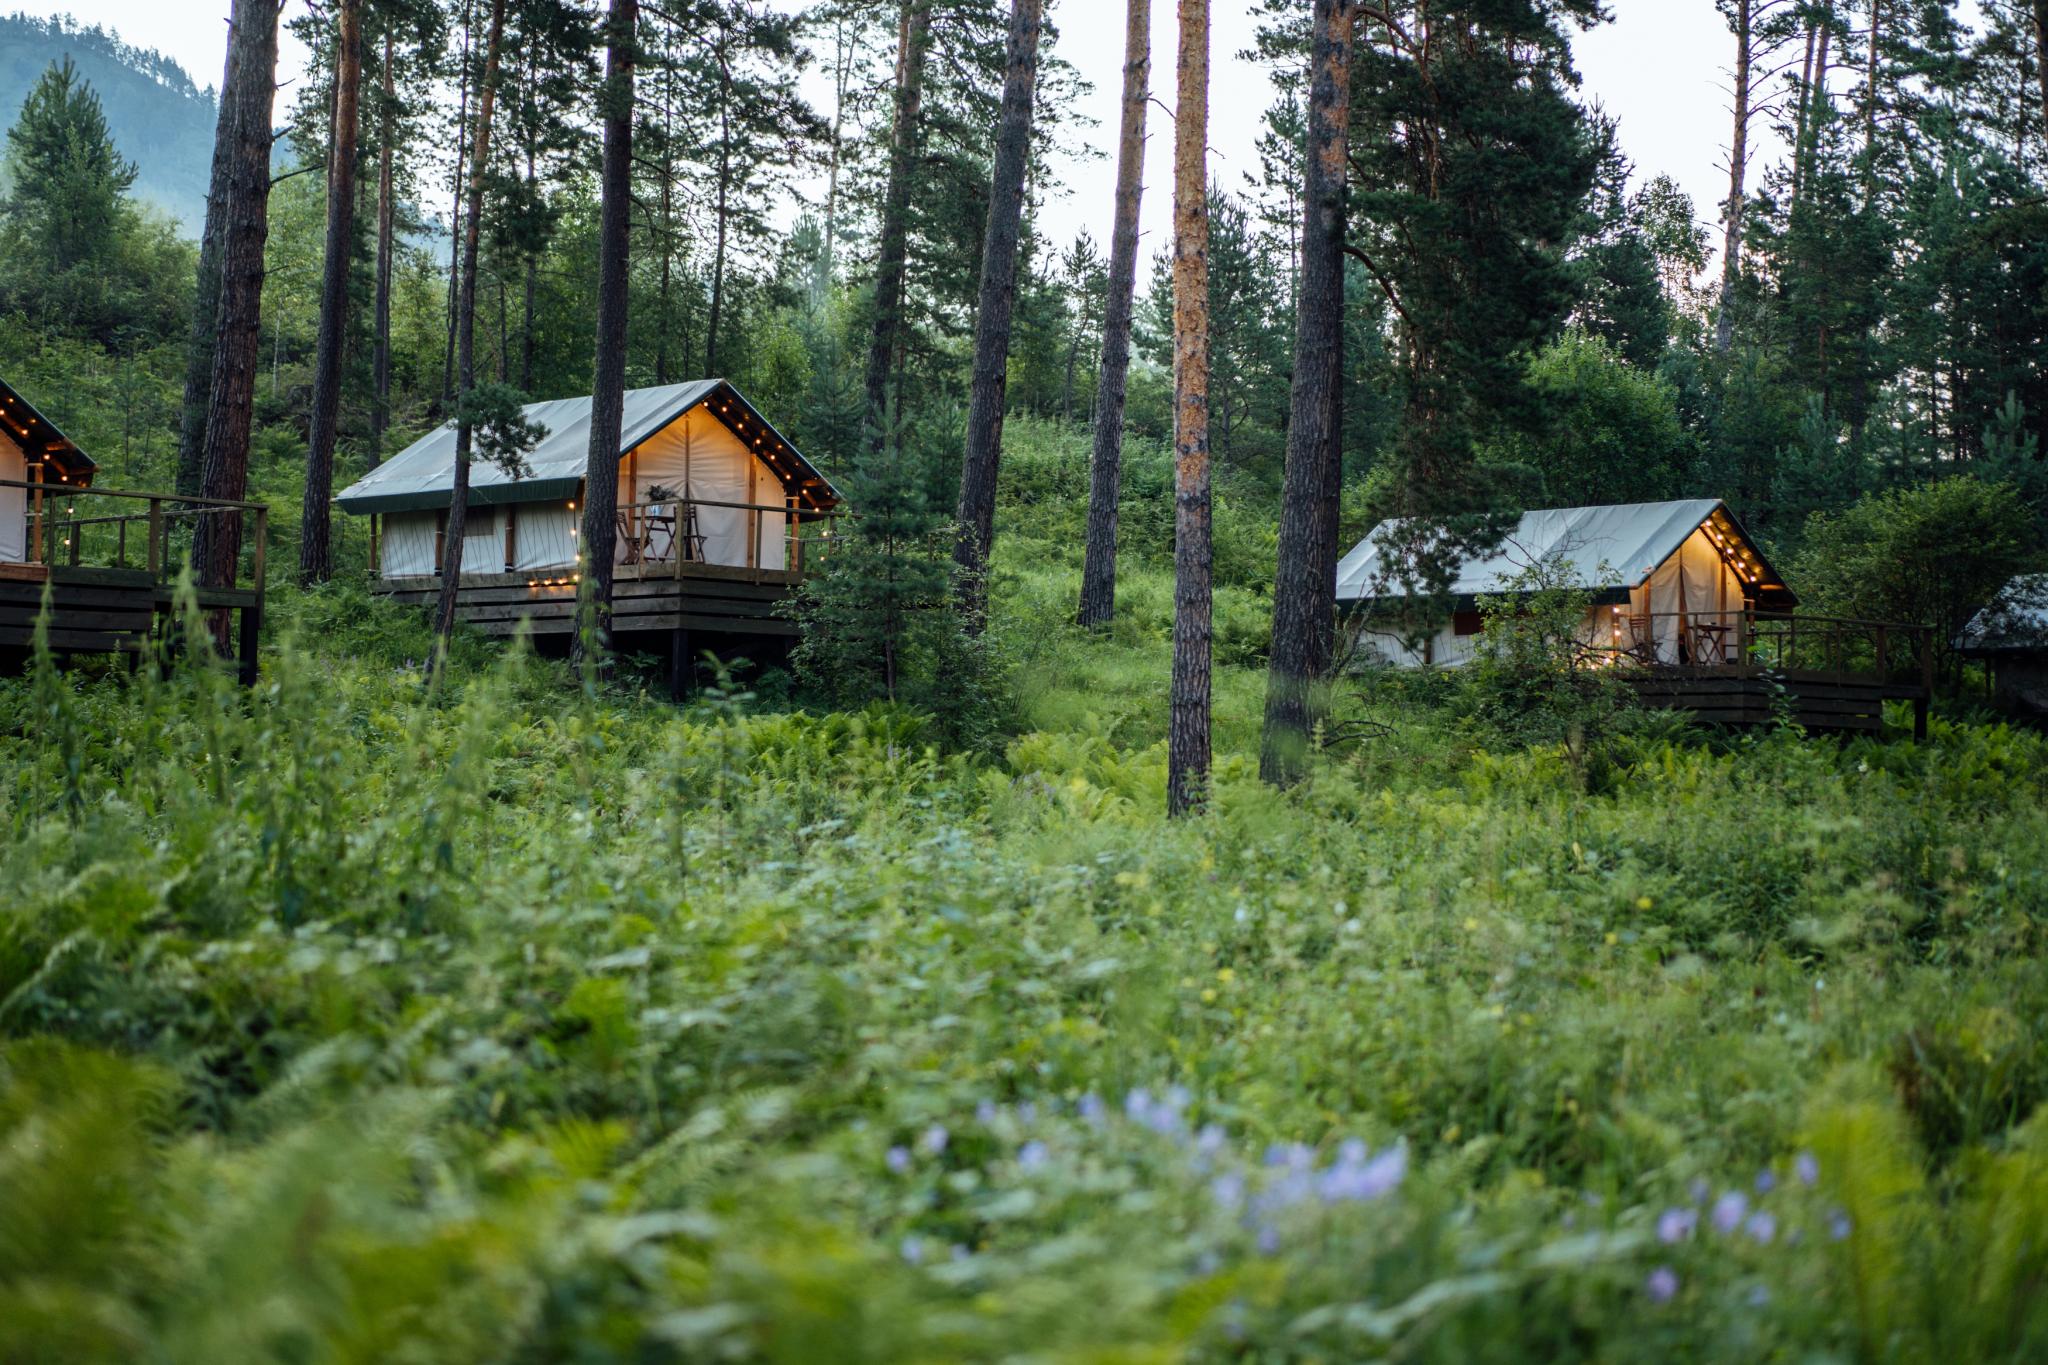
160	120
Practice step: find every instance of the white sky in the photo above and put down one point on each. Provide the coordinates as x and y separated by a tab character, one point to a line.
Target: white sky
1661	67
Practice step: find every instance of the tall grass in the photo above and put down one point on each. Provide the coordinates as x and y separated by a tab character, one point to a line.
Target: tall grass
341	1019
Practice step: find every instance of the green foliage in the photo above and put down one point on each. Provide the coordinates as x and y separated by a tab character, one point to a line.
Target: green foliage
1934	554
344	1021
1608	432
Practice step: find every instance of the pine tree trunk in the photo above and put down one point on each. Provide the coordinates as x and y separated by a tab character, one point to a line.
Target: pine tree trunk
238	335
608	376
206	298
2041	55
1738	166
718	254
465	341
1804	112
380	410
1305	588
455	217
1187	738
893	237
993	314
1098	566
316	551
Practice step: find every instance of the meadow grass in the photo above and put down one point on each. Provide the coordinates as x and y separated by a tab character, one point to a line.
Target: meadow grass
343	1020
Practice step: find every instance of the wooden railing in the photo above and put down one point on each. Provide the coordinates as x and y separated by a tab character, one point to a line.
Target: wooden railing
660	529
1786	642
76	527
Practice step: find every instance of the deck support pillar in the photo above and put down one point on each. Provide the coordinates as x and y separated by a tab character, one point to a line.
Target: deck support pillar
252	631
1920	720
679	666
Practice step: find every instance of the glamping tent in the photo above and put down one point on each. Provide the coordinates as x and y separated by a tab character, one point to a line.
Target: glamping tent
2010	637
1669	582
741	486
32	452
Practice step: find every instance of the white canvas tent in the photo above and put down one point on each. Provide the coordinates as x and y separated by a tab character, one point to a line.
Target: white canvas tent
702	440
32	451
1662	576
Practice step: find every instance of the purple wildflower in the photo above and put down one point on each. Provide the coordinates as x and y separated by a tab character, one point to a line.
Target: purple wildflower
933	1140
1808	1168
1762	1226
1138	1105
1662	1284
1228	1191
898	1159
912	1250
1210	1141
1027	1112
1031	1155
1699	1190
1839	1226
1765	1182
1677	1224
985	1112
1090	1107
1729	1209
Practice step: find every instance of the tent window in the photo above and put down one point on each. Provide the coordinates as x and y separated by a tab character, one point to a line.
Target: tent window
1467	623
480	524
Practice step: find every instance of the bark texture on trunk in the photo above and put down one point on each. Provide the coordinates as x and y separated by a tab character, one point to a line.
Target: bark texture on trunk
1187	739
913	31
231	390
380	409
1105	485
2041	55
206	298
1305	586
1738	167
455	215
997	306
465	338
316	551
608	371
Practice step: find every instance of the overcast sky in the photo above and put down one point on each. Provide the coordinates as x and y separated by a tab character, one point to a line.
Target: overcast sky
1660	67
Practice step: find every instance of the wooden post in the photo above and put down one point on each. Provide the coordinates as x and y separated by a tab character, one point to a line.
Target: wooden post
753	512
252	630
35	548
1921	702
156	539
262	548
678	662
121	542
1883	653
511	535
376	544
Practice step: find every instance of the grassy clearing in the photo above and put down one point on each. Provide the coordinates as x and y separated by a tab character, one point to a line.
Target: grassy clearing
339	1022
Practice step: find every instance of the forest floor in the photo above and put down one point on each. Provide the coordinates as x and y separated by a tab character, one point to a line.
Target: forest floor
341	1021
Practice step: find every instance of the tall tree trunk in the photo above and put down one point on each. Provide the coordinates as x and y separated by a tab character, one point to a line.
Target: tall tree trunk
238	335
1105	485
465	341
316	551
993	314
1817	104
1187	737
913	32
842	64
2041	55
608	377
455	216
1305	588
1738	167
718	251
206	299
380	410
1804	111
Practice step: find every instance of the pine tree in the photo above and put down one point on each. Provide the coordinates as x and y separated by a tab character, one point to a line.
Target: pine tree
977	513
316	562
66	208
1098	570
1187	735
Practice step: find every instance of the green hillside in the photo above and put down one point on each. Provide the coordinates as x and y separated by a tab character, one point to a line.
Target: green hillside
160	120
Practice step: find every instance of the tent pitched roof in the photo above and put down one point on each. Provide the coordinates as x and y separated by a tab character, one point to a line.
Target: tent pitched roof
1629	539
2015	620
38	436
423	474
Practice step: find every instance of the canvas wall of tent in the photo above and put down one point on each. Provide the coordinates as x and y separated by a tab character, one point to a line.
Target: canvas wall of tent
1667	582
728	490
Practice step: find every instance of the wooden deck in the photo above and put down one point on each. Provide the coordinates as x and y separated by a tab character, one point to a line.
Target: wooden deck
111	572
1749	694
646	599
